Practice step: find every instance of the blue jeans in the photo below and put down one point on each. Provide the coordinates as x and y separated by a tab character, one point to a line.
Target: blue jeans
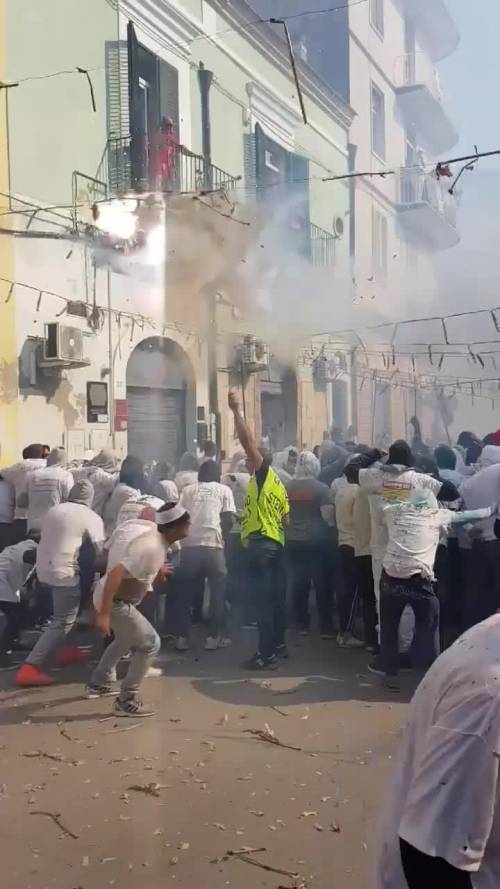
266	566
395	594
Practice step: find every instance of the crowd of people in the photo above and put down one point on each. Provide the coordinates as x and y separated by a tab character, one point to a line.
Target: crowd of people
399	550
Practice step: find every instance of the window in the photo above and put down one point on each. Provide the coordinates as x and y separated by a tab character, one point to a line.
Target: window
379	243
378	122
377	16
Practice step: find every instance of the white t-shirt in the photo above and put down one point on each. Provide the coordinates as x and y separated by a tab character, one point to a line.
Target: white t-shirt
385	486
120	496
13	571
413	538
238	483
445	797
477	491
17	476
46	488
103	483
204	502
132	508
7	502
184	478
63	530
344	513
137	546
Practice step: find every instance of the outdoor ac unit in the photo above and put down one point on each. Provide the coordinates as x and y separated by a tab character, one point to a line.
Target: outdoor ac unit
252	355
323	370
63	345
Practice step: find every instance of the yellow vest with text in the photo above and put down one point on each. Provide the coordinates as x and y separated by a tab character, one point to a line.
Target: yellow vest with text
264	509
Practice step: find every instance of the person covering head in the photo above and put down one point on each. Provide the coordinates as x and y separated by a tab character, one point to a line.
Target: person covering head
33	452
188	463
209	471
400	453
466	439
132	473
105	460
445	457
82	492
56	457
308	466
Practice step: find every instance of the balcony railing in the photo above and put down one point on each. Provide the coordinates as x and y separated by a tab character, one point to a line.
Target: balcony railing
415	69
323	247
125	167
423	188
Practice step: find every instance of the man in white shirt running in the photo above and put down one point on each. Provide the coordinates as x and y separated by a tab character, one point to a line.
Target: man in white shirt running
46	488
137	557
441	829
212	509
66	528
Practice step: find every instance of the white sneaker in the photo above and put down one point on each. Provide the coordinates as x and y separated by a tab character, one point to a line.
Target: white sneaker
182	643
347	640
215	642
154	672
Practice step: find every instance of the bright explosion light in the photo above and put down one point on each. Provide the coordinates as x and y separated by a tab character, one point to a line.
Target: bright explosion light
156	245
118	219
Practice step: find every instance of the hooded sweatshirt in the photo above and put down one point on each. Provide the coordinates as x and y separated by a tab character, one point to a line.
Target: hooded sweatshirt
333	459
64	529
390	483
307	496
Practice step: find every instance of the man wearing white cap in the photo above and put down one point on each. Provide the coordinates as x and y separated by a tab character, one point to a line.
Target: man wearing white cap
138	554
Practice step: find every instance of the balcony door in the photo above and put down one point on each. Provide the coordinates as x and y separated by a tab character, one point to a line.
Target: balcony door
153	111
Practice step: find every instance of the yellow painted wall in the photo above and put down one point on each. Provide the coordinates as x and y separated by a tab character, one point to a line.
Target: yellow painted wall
8	352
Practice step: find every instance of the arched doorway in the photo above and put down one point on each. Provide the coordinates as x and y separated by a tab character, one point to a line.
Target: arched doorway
160	400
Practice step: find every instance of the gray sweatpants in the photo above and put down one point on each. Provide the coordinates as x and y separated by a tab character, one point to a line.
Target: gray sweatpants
66	601
131	631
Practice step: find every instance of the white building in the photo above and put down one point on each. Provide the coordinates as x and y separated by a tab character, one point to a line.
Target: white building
173	97
380	56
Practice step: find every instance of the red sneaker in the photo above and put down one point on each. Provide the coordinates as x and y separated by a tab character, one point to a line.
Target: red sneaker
71	654
28	676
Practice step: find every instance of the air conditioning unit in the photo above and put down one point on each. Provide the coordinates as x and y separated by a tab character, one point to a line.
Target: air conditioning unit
323	369
252	355
63	346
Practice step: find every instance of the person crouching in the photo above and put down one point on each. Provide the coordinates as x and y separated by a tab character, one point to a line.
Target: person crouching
138	555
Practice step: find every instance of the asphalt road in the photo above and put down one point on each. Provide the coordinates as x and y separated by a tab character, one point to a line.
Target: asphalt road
204	783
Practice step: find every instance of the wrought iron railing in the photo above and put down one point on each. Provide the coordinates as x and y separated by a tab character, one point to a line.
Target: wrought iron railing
323	247
125	166
417	187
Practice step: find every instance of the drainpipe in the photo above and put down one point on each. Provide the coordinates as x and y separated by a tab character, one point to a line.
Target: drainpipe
205	78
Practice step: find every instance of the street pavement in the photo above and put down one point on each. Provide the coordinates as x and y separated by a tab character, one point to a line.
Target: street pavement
89	801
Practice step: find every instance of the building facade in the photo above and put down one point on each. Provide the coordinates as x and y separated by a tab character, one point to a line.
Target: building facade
172	115
381	57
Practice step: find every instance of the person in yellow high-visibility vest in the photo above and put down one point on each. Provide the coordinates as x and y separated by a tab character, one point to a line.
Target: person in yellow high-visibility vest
262	533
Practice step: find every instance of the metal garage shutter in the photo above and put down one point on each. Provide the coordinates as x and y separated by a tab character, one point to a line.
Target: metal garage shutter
156	423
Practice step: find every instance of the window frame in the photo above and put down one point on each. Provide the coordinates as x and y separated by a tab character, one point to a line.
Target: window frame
377	17
380	239
374	88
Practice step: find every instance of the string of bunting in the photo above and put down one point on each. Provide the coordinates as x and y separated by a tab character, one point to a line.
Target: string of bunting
135	318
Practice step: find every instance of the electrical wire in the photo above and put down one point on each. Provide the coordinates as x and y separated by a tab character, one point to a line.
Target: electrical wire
267	21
